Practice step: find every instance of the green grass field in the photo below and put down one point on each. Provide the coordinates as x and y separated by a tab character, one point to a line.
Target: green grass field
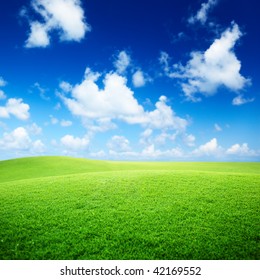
66	208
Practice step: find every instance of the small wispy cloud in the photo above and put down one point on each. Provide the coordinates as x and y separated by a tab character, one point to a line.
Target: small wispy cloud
42	91
202	14
217	127
2	84
240	100
122	62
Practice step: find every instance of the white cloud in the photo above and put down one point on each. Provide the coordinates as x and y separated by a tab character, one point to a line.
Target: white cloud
217	66
202	13
98	107
207	71
34	129
114	101
240	100
163	117
100	125
75	144
3	126
139	79
65	123
38	37
211	148
151	152
148	153
145	137
64	16
57	107
65	86
42	91
119	144
241	150
164	136
3	112
19	140
164	61
147	133
99	154
2	95
38	147
217	127
54	120
122	62
15	107
2	82
189	139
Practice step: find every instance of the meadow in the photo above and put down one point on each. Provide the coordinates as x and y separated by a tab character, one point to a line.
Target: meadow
66	208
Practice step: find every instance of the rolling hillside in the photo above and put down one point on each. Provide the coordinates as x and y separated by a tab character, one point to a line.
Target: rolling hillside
37	167
66	208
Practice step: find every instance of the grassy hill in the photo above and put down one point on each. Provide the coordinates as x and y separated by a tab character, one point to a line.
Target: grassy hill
37	167
67	208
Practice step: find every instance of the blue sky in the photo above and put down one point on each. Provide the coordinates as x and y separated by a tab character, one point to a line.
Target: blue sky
130	80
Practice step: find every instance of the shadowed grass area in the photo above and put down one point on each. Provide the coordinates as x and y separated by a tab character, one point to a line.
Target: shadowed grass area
113	210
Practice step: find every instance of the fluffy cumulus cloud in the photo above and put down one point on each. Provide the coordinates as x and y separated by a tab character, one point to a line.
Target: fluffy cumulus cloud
119	144
114	101
163	117
241	150
74	144
65	16
100	107
210	148
202	14
207	71
19	140
150	152
15	107
122	62
139	79
38	37
217	66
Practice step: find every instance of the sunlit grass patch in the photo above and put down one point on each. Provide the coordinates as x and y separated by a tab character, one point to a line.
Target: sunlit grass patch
132	211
